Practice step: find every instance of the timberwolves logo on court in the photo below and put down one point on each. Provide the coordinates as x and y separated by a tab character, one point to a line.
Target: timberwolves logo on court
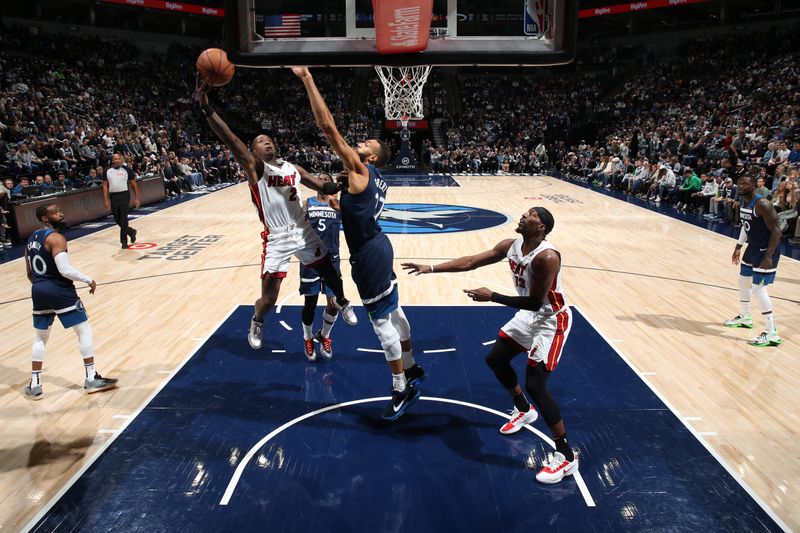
437	218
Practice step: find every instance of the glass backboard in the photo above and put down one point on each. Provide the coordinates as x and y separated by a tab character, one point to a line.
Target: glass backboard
272	33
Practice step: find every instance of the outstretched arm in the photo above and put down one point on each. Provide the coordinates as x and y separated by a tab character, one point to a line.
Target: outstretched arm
358	174
463	264
546	266
313	182
239	150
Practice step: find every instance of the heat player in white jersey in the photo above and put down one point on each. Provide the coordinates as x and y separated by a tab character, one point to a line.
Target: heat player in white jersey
275	191
540	328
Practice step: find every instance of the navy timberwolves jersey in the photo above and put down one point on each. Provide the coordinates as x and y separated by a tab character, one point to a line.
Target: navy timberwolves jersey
326	222
360	212
757	231
43	266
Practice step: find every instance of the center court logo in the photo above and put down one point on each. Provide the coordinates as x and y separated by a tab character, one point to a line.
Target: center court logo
437	218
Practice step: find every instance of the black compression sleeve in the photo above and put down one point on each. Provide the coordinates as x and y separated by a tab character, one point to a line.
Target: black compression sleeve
330	188
207	110
519	302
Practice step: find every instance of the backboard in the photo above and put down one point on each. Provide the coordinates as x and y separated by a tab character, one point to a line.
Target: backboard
273	33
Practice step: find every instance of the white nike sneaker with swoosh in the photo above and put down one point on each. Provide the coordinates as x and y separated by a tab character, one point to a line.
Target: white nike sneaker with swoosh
518	420
556	469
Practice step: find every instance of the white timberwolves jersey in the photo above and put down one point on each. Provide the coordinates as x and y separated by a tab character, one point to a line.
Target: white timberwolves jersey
277	196
522	272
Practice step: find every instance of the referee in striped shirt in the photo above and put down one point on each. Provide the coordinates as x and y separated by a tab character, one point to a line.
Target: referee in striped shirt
117	198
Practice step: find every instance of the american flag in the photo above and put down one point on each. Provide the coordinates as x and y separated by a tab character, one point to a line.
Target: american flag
282	25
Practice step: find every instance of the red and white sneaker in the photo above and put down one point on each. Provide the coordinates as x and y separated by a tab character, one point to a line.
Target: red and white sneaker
518	420
311	355
557	469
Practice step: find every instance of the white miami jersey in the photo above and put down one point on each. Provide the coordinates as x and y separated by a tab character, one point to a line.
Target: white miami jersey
522	272
277	196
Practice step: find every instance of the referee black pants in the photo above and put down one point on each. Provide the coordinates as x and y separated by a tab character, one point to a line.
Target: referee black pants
119	208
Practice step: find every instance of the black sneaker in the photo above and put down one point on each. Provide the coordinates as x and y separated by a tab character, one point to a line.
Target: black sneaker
415	375
400	402
133	235
124	246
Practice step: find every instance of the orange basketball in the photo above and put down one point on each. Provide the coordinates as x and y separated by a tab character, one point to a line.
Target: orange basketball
214	67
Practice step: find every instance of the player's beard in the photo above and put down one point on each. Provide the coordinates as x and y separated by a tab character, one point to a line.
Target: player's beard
58	225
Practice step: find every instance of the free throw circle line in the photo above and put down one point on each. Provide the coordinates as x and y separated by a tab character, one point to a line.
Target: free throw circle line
237	474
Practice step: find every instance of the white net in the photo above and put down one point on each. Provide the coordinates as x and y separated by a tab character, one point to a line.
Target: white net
402	90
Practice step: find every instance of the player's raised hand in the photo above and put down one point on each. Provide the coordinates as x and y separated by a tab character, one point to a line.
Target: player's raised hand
416	268
479	295
201	87
301	72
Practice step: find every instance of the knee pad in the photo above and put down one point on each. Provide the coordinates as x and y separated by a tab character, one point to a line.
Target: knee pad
388	337
400	322
40	337
761	296
85	339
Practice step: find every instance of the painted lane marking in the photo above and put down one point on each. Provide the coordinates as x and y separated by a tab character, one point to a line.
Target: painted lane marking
226	497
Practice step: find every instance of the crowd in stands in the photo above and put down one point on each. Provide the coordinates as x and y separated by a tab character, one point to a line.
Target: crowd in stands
683	131
677	131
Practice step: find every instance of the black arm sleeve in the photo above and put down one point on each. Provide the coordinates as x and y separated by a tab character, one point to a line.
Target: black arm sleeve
330	187
519	302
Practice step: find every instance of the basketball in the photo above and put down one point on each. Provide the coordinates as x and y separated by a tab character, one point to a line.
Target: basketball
214	67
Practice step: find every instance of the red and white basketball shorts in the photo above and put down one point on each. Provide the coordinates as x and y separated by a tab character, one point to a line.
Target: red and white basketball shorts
282	243
542	337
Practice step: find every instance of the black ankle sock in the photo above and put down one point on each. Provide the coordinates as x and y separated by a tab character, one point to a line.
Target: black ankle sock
521	403
563	446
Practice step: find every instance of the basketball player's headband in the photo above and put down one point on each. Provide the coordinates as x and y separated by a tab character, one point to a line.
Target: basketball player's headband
547	219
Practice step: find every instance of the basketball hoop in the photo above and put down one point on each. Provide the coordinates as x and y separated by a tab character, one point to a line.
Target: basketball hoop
402	91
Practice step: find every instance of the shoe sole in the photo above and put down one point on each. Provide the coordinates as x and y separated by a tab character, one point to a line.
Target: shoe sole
402	411
101	389
34	398
764	345
746	326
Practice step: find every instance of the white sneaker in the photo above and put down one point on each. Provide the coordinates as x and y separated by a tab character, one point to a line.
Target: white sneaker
556	469
325	345
518	420
254	335
766	339
739	321
347	312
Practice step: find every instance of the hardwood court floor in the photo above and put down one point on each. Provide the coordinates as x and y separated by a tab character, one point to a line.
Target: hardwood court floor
658	288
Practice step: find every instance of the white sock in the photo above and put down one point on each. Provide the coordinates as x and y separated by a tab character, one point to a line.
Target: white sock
399	382
307	331
408	360
327	323
36	378
744	295
769	322
90	373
